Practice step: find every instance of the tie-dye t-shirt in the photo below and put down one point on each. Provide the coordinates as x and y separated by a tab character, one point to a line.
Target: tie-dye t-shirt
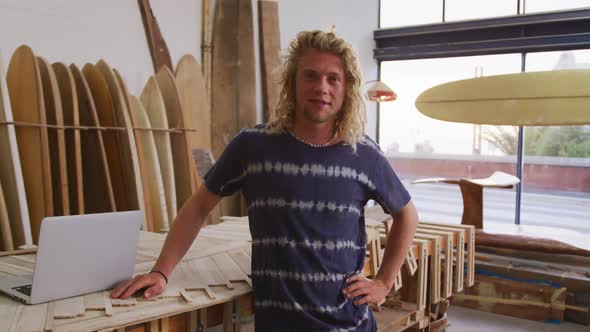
305	207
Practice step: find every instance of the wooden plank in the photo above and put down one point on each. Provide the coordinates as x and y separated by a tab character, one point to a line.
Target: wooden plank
11	173
26	98
30	318
459	257
57	144
49	317
388	318
270	51
208	271
243	260
103	103
246	66
181	149
151	164
157	44
469	239
8	311
422	273
98	194
225	86
123	302
6	242
96	301
69	102
230	269
447	246
69	308
435	266
151	98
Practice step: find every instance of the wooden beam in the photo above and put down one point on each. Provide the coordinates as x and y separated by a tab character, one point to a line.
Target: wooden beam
157	44
270	48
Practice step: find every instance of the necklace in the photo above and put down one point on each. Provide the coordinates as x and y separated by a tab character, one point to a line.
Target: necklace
311	144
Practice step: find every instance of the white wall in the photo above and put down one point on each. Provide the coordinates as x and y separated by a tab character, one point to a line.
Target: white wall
81	31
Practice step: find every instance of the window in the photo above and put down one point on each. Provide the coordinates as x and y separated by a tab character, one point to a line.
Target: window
457	10
556	176
422	147
416	58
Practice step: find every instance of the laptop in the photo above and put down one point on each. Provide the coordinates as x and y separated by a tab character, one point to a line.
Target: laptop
79	255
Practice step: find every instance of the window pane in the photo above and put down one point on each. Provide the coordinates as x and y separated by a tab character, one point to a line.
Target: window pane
457	10
556	176
534	6
403	13
421	147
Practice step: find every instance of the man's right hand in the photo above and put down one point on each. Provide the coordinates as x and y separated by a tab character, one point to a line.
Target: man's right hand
153	283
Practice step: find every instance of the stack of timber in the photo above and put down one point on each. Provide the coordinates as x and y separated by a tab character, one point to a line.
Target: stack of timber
530	285
79	142
215	270
440	264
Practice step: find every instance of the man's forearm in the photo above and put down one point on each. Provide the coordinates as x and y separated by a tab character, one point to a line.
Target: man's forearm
183	232
399	240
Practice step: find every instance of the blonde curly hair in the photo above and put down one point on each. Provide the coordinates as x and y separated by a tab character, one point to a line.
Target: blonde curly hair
352	118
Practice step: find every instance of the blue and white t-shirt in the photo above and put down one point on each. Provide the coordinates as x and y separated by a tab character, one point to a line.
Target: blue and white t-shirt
305	206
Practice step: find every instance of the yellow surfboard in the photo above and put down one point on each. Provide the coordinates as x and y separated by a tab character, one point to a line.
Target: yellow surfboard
546	98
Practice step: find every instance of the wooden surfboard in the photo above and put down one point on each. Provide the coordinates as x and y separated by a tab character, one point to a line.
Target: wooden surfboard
6	242
193	99
11	175
547	98
151	98
233	95
130	179
181	150
196	110
98	192
26	98
152	164
143	200
69	102
103	102
270	54
57	143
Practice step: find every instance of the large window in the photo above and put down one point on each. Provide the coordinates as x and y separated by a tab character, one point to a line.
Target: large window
556	176
555	187
422	147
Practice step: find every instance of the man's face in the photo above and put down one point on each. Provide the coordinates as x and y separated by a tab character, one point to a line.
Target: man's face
319	86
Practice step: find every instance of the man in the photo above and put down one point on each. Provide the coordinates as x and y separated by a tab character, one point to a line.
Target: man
306	177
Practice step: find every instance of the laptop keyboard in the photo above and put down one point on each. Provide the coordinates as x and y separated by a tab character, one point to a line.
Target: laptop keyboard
24	289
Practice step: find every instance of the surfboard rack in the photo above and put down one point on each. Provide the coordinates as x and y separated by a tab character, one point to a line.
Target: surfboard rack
29	124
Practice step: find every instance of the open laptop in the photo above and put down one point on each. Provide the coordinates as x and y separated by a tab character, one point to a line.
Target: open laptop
79	255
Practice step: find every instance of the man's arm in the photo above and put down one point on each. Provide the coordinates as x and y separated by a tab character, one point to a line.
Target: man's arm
183	232
399	240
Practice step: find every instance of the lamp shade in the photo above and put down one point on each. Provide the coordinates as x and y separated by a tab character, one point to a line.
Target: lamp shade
380	92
